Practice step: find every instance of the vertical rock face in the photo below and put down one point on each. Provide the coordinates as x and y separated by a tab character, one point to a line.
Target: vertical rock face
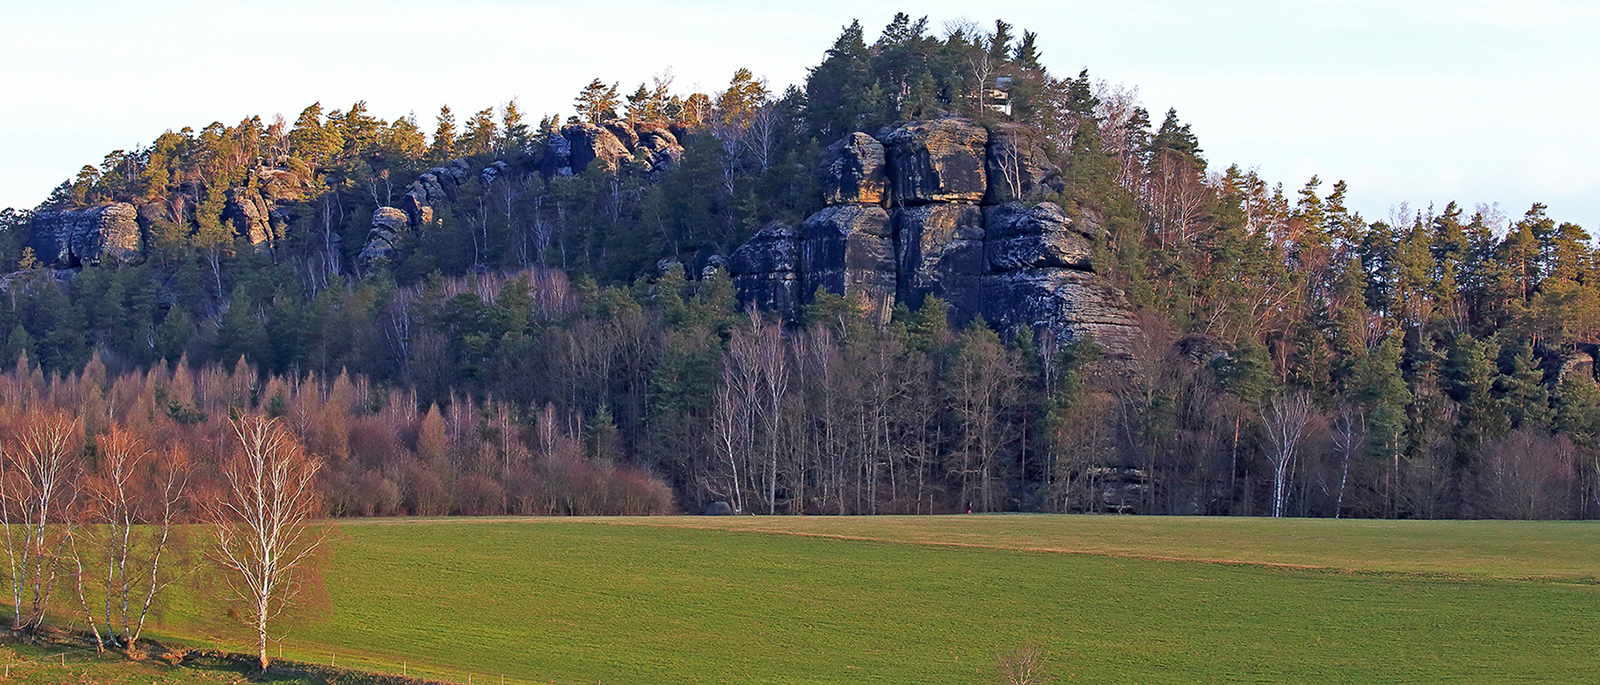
765	270
940	251
1016	263
849	250
1069	303
853	171
937	161
247	212
592	144
74	238
388	223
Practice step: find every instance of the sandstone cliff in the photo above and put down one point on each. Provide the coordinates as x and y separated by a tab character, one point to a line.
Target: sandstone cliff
73	238
942	208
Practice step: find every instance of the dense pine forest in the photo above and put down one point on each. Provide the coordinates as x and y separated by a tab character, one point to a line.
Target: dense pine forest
561	340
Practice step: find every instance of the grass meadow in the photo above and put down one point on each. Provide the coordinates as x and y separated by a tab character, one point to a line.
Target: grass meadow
661	601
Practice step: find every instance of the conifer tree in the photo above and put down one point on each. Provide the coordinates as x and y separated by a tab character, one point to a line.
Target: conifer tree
597	103
443	148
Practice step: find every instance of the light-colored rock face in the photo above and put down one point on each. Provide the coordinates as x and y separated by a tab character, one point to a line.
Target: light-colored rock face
73	238
388	225
1017	166
937	161
248	213
853	170
592	144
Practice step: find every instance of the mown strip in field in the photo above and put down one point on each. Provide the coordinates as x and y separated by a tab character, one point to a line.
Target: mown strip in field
670	601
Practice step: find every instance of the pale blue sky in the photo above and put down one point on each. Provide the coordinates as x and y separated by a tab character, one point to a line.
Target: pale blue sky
1425	102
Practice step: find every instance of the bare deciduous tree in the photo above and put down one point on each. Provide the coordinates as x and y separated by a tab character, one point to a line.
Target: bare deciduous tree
1284	420
1023	664
133	502
36	478
261	520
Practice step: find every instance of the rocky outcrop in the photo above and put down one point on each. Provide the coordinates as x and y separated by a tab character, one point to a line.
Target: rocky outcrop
73	238
1022	237
853	171
388	225
662	149
1017	166
619	144
849	249
937	161
765	270
595	145
940	251
421	197
247	212
1070	303
945	217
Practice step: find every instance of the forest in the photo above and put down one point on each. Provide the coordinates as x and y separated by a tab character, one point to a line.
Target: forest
557	343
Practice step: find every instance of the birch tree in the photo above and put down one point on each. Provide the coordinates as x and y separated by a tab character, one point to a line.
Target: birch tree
1284	419
261	520
36	493
134	501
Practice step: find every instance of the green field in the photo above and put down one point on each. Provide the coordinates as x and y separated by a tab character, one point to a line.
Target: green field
931	599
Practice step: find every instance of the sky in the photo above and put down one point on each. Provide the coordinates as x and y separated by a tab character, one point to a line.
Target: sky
1419	102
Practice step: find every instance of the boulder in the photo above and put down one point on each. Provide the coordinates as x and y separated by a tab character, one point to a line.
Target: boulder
248	213
853	171
73	238
1576	365
1022	237
939	250
1070	304
718	508
848	251
937	161
591	143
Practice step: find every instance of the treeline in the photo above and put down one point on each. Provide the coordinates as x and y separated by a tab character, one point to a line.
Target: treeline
379	453
1299	359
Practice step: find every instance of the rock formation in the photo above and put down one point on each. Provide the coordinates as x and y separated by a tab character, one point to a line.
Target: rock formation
388	223
942	208
648	147
73	238
765	269
937	161
853	171
247	212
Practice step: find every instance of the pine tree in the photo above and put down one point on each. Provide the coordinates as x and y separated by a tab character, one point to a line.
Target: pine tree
597	103
443	148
